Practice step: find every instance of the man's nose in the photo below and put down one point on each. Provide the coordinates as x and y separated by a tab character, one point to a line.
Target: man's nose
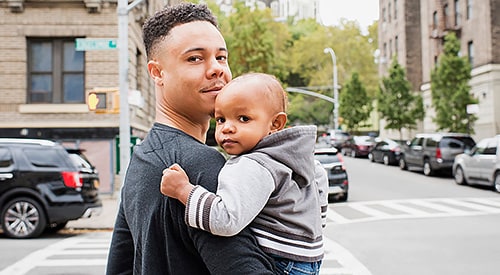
216	69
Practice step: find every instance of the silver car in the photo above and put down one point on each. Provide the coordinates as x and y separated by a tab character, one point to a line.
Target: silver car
481	165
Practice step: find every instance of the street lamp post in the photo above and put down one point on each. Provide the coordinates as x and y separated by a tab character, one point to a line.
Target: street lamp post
335	89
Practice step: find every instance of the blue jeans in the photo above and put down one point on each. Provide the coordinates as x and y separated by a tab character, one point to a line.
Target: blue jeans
286	266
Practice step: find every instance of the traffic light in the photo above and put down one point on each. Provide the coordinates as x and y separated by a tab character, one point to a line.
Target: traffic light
104	100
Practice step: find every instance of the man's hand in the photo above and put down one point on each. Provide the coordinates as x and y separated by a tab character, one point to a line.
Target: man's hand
175	183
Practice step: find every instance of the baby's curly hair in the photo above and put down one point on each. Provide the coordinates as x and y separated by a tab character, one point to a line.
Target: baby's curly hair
157	27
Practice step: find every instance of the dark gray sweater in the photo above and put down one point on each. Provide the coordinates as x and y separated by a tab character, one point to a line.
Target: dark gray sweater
150	234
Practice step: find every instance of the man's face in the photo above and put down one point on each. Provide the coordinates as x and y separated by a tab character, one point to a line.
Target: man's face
193	64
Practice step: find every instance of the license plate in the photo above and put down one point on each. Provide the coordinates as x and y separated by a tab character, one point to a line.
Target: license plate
335	189
96	184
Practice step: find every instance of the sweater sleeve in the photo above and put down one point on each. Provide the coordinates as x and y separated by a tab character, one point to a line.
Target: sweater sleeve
321	179
243	191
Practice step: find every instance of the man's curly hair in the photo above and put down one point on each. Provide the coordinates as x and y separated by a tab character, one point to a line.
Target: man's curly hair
157	27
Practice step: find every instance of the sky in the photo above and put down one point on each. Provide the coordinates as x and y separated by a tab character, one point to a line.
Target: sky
363	11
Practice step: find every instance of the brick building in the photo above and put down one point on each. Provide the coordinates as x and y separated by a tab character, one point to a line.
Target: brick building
414	31
44	78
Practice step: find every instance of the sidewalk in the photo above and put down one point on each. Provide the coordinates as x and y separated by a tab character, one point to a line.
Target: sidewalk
105	221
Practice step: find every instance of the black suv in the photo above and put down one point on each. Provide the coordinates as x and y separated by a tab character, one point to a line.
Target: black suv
434	152
43	186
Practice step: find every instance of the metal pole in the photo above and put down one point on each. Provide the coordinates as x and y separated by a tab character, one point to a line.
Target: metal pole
335	89
123	80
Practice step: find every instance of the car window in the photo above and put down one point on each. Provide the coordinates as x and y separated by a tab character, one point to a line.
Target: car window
416	142
326	158
431	142
465	143
491	148
45	158
79	161
5	158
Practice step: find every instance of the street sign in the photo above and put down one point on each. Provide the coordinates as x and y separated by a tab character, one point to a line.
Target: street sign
94	44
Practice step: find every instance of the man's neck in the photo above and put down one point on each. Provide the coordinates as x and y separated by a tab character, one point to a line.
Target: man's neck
196	130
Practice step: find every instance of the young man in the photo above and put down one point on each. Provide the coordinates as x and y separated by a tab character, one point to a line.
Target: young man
273	183
187	59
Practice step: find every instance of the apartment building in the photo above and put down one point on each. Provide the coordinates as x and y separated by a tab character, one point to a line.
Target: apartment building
413	31
46	72
281	9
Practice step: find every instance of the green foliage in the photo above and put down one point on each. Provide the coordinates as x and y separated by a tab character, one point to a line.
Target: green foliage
450	89
397	104
355	104
293	51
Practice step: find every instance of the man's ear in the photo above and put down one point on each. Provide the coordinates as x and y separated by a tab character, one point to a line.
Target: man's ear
155	72
279	122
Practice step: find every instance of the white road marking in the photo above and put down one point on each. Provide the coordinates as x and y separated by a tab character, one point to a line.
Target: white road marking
78	245
349	265
413	208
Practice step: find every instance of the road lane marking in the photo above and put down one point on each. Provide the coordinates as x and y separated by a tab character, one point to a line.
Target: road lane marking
347	263
367	211
82	245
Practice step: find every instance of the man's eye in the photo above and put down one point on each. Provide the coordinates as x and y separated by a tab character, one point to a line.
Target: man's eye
222	58
194	58
244	118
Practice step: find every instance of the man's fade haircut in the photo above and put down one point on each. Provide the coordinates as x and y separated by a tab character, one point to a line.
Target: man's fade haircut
157	27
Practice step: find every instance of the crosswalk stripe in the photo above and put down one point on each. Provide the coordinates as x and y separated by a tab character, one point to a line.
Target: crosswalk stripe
412	208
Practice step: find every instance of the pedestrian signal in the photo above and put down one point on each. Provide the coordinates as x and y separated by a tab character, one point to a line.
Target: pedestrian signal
103	100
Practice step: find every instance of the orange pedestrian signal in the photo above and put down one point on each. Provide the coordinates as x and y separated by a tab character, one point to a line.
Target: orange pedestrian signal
92	101
103	100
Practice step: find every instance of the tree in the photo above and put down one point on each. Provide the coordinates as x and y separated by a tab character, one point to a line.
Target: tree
397	104
355	104
450	89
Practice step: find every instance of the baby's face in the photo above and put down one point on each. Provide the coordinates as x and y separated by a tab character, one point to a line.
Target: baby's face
242	117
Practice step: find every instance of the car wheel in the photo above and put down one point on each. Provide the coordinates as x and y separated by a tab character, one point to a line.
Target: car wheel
23	218
370	157
385	158
427	168
459	176
402	164
496	181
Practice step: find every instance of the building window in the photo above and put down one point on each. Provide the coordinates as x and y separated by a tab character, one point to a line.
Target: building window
457	12
470	52
434	20
389	12
395	9
383	15
390	48
396	45
469	9
55	71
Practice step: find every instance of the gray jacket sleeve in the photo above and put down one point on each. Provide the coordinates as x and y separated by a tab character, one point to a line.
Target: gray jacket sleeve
321	179
243	191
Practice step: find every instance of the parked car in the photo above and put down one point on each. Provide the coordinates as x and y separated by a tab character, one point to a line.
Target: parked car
386	151
337	138
338	182
357	146
434	152
481	165
41	187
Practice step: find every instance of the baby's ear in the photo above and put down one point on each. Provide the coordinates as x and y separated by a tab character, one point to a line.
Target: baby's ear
279	121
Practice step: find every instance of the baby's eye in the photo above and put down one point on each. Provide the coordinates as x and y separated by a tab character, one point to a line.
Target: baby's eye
220	120
244	118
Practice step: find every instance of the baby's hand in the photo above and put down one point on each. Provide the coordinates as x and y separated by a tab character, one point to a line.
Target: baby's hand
175	183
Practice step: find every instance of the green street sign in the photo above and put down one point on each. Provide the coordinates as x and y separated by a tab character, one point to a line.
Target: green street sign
94	44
